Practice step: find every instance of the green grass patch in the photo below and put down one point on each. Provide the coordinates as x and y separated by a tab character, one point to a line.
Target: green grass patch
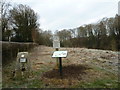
35	84
107	80
100	83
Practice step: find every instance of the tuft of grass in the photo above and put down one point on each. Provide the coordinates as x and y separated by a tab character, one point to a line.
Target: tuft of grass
103	80
102	83
35	84
107	80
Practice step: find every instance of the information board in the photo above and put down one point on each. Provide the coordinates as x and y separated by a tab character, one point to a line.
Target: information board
22	57
23	60
60	54
56	42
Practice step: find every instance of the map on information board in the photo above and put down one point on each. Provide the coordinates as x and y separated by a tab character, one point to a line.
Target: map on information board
60	54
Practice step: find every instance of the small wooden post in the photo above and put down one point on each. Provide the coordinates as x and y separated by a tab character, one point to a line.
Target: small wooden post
57	60
56	45
60	66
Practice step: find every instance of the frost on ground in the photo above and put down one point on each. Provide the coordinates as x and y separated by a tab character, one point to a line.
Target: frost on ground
76	67
105	59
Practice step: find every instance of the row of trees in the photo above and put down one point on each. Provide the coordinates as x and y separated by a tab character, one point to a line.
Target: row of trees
20	24
104	34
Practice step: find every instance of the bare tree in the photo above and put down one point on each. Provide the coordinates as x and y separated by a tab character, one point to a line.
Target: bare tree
4	10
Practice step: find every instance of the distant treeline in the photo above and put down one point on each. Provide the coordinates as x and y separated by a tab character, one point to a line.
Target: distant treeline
20	24
104	34
10	50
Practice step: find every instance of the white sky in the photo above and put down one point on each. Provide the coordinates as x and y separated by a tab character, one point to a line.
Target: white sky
68	14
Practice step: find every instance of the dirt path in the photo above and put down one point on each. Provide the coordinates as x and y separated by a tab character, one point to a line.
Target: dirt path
41	56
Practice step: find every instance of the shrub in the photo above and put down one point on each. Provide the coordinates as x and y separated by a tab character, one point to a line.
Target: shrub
10	50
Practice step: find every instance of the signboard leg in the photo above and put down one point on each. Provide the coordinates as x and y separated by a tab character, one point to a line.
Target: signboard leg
60	66
57	60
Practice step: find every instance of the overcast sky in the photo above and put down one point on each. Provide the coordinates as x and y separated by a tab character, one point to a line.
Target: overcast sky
69	14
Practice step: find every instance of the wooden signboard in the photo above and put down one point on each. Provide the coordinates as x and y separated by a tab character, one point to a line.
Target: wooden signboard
61	54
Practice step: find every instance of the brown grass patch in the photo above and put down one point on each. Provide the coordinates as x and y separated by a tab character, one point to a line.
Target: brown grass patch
70	71
72	75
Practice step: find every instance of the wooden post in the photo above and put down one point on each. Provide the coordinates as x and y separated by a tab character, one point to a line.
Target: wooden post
60	55
57	60
60	66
